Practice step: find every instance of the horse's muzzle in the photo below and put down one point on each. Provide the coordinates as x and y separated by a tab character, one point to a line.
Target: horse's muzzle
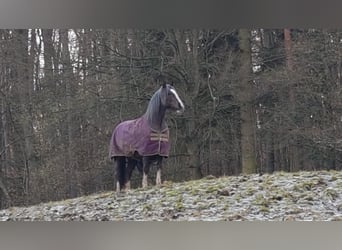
180	110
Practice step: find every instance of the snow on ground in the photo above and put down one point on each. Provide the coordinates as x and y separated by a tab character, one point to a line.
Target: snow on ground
302	196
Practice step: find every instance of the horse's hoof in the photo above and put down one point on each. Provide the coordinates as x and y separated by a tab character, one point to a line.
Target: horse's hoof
119	195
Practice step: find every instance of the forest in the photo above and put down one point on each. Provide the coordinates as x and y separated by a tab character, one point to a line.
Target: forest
257	101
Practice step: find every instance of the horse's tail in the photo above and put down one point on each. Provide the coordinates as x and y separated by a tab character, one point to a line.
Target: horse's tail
110	149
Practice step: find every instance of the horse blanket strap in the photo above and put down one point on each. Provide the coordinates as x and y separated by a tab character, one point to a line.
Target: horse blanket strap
159	136
136	136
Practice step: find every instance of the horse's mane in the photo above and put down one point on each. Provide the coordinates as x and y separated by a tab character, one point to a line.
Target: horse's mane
153	108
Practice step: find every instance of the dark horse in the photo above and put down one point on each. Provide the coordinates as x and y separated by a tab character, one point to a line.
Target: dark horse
145	140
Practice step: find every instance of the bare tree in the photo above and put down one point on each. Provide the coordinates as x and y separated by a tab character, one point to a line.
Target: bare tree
247	105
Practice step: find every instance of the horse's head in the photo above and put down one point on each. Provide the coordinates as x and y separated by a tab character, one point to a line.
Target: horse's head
170	98
163	99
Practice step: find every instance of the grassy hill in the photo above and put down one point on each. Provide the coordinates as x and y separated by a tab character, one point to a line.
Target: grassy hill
280	196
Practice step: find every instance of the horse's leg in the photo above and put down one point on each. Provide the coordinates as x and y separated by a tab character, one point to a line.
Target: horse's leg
146	168
131	163
120	172
159	168
140	166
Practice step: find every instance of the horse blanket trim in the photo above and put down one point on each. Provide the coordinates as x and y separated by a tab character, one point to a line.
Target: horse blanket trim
136	136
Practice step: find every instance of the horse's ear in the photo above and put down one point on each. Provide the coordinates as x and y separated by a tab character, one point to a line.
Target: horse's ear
163	93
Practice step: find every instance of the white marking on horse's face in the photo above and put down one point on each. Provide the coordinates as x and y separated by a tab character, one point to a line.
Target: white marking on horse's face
173	91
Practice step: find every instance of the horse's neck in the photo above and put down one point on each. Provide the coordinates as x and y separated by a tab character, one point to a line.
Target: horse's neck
157	119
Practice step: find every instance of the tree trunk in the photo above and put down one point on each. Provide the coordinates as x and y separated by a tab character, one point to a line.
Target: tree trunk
24	77
187	56
68	80
248	156
4	155
294	149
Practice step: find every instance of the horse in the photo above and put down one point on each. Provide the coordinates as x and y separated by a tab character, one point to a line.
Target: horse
144	140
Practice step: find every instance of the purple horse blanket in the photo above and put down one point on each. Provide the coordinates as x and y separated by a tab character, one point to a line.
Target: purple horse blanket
136	137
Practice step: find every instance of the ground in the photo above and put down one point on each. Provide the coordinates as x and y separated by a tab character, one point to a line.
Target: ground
302	196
